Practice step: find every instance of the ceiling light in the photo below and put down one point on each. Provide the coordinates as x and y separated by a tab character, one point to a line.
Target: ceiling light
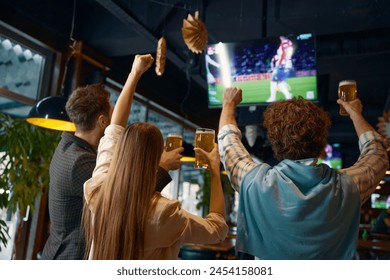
50	113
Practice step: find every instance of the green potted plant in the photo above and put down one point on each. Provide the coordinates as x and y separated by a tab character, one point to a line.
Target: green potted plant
203	194
25	154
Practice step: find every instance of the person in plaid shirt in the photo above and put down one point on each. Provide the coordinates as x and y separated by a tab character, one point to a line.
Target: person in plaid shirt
299	209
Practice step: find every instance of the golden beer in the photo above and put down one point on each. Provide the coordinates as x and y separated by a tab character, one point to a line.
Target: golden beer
204	138
173	141
347	92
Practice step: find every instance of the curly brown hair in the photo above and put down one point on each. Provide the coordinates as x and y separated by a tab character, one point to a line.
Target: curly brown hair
86	104
296	128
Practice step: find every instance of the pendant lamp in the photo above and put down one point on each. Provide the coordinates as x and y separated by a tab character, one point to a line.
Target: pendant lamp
50	113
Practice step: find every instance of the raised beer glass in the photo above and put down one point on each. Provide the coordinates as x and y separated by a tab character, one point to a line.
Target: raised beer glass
204	138
347	92
173	141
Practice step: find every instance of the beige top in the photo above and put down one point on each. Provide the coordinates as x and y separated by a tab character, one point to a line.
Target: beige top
169	226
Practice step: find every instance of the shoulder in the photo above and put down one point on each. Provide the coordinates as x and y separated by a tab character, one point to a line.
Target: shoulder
261	171
169	211
85	157
168	214
168	206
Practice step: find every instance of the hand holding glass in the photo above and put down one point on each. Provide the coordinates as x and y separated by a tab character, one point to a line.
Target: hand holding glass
347	92
204	139
173	142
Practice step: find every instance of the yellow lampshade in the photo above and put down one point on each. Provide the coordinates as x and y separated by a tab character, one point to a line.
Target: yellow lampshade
53	124
50	113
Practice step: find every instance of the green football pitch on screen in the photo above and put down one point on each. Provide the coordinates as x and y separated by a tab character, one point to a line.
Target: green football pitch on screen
258	91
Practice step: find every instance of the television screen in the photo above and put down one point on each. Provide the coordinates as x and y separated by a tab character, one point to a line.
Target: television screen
266	70
332	156
380	201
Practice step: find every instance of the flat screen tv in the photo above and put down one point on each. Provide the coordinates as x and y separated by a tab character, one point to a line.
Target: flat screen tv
332	156
380	201
266	69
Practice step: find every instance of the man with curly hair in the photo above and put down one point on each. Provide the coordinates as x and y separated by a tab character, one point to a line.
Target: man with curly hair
299	209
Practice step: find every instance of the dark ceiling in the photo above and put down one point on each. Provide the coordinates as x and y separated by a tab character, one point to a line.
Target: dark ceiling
352	40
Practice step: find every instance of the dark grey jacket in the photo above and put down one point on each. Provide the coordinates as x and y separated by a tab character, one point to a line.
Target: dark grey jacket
72	164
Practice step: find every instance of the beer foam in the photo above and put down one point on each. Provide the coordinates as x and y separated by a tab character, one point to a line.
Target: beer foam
347	82
174	135
205	132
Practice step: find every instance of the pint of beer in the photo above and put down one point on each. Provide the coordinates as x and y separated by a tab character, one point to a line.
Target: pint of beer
204	138
173	141
347	92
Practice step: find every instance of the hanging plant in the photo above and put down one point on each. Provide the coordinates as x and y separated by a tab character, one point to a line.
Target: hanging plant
25	155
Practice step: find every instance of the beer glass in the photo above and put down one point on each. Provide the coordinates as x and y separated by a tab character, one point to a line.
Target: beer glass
204	138
347	92
173	141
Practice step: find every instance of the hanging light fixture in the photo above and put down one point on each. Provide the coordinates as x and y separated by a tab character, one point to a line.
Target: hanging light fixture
50	113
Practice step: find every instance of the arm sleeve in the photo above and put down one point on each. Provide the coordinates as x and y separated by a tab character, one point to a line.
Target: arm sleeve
235	158
371	165
180	225
163	179
105	151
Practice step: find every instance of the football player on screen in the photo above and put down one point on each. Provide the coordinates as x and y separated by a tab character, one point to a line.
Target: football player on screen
281	66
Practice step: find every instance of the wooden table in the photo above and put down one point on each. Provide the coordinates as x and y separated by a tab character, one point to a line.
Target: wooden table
221	250
223	246
375	244
373	249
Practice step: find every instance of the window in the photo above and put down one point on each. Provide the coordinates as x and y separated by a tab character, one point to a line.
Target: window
22	68
191	183
137	111
165	124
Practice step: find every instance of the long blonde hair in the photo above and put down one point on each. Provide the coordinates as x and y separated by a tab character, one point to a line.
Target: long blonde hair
125	199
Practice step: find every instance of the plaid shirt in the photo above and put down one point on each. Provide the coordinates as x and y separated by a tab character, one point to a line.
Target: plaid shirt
365	173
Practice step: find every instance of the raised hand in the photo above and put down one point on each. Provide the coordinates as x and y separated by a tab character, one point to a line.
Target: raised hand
232	96
212	157
142	63
352	107
171	160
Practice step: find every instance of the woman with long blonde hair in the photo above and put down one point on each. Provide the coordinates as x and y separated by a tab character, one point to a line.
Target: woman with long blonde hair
130	220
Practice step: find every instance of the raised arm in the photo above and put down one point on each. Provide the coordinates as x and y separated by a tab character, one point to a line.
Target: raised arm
373	160
354	108
217	201
122	107
234	156
231	98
